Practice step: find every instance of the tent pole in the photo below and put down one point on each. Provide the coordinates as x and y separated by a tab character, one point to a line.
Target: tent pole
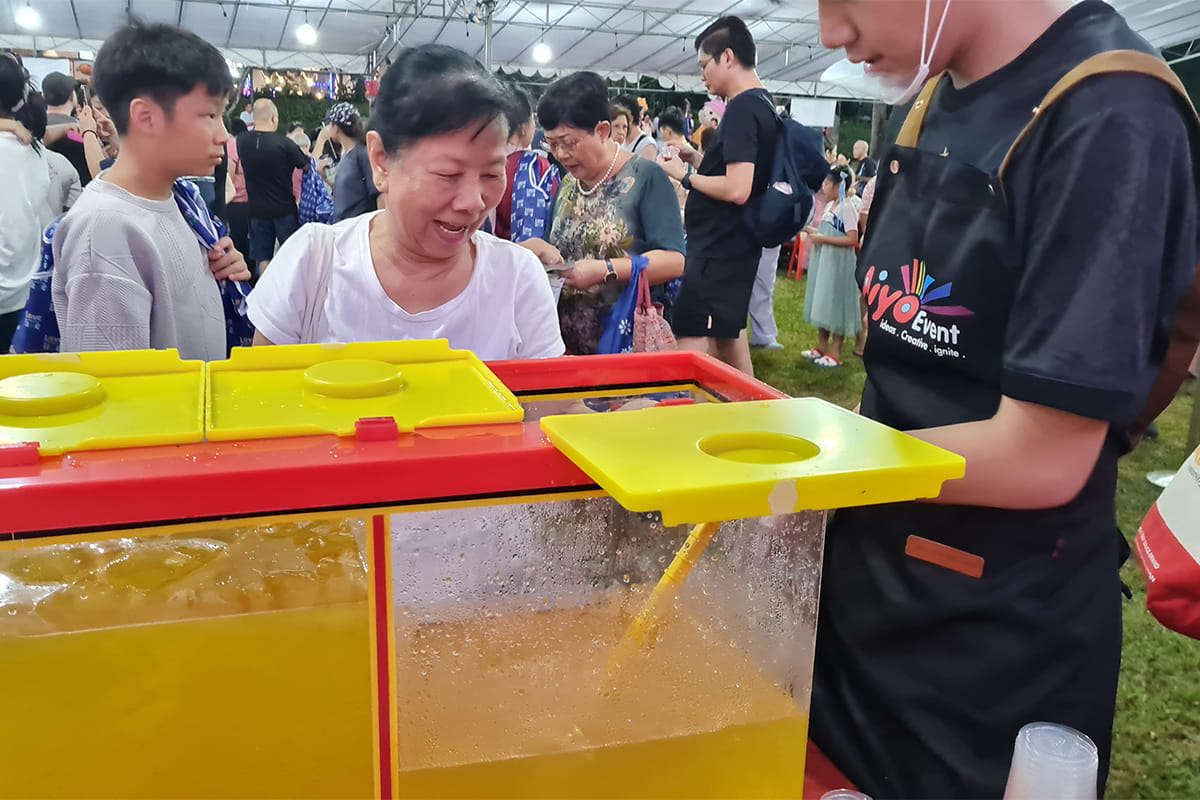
487	36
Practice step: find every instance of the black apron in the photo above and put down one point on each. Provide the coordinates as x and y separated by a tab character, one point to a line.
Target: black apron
944	629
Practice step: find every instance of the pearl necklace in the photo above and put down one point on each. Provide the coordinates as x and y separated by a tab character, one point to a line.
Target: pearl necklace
607	175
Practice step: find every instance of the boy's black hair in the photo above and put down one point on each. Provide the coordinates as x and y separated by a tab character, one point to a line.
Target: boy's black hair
237	126
521	111
433	89
729	33
671	118
579	100
158	61
19	100
57	88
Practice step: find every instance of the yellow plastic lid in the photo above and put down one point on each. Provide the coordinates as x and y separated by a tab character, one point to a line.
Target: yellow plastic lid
91	401
299	390
713	462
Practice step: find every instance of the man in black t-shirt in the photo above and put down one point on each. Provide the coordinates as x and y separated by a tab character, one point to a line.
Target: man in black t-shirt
863	165
1019	310
722	254
268	160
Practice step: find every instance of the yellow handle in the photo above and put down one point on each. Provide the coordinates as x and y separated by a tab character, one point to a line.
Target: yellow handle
640	633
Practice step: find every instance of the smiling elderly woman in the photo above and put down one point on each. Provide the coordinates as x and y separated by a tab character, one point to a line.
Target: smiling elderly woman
419	269
612	205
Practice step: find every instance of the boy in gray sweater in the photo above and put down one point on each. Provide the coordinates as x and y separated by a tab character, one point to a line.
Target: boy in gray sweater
129	271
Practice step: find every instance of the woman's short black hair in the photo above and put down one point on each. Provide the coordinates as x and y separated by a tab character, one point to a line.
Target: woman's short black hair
578	100
521	110
19	100
729	33
237	126
158	61
433	89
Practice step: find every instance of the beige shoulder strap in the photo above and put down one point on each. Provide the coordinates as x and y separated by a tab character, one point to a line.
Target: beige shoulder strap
1101	64
1185	328
910	132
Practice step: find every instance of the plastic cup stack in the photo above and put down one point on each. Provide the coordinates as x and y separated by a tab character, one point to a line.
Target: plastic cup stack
844	794
1052	762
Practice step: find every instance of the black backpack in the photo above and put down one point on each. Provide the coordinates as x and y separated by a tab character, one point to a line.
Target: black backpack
778	214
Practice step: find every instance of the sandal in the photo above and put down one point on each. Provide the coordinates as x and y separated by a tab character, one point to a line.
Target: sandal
811	355
827	362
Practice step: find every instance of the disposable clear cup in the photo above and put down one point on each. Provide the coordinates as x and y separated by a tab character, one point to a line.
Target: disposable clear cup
1052	762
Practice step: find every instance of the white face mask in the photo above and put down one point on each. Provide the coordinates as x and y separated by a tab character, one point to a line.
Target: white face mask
893	90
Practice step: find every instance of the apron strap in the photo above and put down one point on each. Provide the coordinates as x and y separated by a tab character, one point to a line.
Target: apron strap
910	132
1185	328
1102	64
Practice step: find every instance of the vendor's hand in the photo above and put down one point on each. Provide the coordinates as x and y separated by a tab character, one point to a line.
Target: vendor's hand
585	274
16	129
674	167
227	263
547	253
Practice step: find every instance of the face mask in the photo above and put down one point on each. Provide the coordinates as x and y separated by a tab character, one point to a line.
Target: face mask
893	91
897	93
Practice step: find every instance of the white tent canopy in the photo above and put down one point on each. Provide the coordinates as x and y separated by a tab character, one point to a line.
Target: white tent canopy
618	38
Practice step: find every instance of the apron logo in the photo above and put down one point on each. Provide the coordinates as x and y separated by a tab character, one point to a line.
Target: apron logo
912	311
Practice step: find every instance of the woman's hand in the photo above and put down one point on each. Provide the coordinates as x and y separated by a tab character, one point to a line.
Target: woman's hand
227	263
547	253
87	121
816	238
585	274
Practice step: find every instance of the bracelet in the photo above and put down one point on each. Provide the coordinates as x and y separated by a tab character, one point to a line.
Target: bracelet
93	133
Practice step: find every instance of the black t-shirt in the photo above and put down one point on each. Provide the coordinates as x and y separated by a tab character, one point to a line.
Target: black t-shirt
865	169
268	161
1107	237
746	135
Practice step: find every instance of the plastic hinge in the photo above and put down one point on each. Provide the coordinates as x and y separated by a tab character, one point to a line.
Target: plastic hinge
19	454
376	429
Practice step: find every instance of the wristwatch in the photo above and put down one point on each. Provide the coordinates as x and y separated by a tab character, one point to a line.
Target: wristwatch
686	183
611	275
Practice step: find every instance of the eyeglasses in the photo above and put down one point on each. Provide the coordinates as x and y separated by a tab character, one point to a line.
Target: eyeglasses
563	145
704	65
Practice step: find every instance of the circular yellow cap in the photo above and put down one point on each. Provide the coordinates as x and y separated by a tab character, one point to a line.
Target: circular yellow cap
353	378
39	394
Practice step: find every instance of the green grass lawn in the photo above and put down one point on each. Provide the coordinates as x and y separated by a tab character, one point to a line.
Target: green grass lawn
1156	749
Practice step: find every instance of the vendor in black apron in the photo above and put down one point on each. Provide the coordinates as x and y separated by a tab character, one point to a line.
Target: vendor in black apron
1017	316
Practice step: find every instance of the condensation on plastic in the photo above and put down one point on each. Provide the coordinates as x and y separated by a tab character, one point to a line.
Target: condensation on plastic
208	573
507	617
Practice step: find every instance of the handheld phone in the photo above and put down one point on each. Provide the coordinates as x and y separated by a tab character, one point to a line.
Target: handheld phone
83	95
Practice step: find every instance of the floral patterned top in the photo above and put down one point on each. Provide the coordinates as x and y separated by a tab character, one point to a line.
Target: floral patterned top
635	212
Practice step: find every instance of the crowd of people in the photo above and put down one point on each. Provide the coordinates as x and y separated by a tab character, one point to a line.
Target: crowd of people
994	327
438	212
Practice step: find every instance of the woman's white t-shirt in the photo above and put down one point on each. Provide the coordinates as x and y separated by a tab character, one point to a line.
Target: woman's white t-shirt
507	310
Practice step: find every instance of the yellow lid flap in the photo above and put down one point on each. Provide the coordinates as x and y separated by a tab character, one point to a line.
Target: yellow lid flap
713	462
298	390
91	401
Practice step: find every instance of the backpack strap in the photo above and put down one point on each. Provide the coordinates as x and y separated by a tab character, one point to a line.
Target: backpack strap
1184	336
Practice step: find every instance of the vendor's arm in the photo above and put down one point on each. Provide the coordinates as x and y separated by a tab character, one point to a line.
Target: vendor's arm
1027	456
1103	270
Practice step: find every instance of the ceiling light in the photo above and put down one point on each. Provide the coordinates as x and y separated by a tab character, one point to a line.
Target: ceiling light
306	34
28	18
542	53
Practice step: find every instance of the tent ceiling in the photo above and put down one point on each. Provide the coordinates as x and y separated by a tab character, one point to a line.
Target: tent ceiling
615	37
